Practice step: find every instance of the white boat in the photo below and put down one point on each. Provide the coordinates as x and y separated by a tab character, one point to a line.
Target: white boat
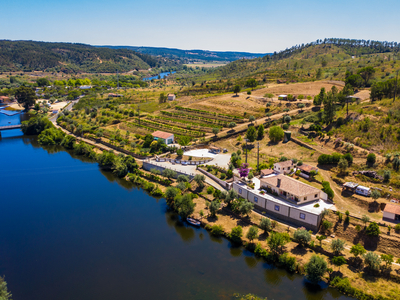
192	221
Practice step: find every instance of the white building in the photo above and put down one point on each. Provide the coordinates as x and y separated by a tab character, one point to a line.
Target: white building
171	97
305	213
391	212
166	137
363	190
283	167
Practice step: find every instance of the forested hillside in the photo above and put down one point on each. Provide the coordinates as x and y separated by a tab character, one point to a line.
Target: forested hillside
189	55
72	58
323	59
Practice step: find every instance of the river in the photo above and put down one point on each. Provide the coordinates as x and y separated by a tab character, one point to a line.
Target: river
159	76
72	231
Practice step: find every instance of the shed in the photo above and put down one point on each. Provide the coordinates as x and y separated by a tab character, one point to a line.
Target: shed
282	97
166	137
391	212
350	186
215	150
171	97
266	172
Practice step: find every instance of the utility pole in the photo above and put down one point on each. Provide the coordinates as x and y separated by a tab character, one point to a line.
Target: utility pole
258	154
395	86
246	150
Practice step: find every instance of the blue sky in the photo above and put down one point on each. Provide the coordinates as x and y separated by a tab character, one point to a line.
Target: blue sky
219	25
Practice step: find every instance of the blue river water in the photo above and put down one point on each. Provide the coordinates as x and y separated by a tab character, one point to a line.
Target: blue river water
69	230
161	75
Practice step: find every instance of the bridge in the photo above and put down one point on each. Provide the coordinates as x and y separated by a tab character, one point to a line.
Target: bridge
8	127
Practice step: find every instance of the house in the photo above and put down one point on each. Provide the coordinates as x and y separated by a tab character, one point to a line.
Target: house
171	97
85	87
114	95
4	99
214	150
166	137
305	170
283	167
267	172
391	212
363	190
290	189
306	214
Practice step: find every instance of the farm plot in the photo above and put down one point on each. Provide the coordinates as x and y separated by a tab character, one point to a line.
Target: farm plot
193	117
211	114
239	106
183	123
155	125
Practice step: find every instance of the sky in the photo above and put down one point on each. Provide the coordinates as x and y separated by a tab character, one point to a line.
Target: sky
218	25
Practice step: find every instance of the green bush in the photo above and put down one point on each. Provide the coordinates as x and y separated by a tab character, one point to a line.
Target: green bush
371	158
217	230
210	190
315	268
236	234
288	262
373	229
302	236
276	134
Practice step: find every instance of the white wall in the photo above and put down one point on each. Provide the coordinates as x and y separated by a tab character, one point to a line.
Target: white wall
283	209
389	215
261	200
310	218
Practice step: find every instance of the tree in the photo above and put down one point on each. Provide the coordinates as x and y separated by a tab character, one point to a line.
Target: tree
343	165
252	119
179	152
171	193
372	261
232	194
236	89
169	173
375	194
260	132
386	176
119	167
302	236
329	108
287	119
320	238
236	234
252	83
251	134
277	240
162	98
252	234
244	170
366	73
265	224
315	268
276	134
36	125
199	179
25	96
338	261
355	81
373	229
43	82
215	130
232	125
365	219
214	207
4	293
184	205
371	158
246	207
182	178
387	259
337	246
357	250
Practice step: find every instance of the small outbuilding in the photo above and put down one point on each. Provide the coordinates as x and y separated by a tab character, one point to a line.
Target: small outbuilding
305	170
391	212
4	99
214	150
282	97
267	172
166	137
283	167
350	186
171	97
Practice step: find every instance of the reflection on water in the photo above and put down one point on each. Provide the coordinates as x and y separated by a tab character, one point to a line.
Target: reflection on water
72	232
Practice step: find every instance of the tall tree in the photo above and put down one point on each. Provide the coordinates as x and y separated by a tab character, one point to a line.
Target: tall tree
366	73
329	108
25	96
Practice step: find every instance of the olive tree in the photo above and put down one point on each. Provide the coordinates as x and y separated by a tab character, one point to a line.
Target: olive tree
315	268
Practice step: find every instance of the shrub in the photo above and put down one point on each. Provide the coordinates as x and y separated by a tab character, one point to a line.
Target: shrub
217	230
338	261
276	134
397	228
315	268
337	246
373	229
266	225
302	236
326	225
179	152
387	175
285	126
210	190
372	261
236	234
288	262
214	207
182	178
357	250
252	233
371	158
348	157
327	189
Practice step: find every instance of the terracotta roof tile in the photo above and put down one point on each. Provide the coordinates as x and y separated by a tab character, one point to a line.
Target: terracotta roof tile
392	208
266	172
307	168
290	185
284	164
161	134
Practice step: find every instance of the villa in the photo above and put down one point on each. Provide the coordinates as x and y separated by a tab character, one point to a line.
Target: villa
286	199
283	167
166	137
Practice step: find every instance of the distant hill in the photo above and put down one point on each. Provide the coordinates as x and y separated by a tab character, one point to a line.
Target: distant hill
191	55
71	58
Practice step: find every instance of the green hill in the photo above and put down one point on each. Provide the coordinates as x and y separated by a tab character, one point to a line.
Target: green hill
73	58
